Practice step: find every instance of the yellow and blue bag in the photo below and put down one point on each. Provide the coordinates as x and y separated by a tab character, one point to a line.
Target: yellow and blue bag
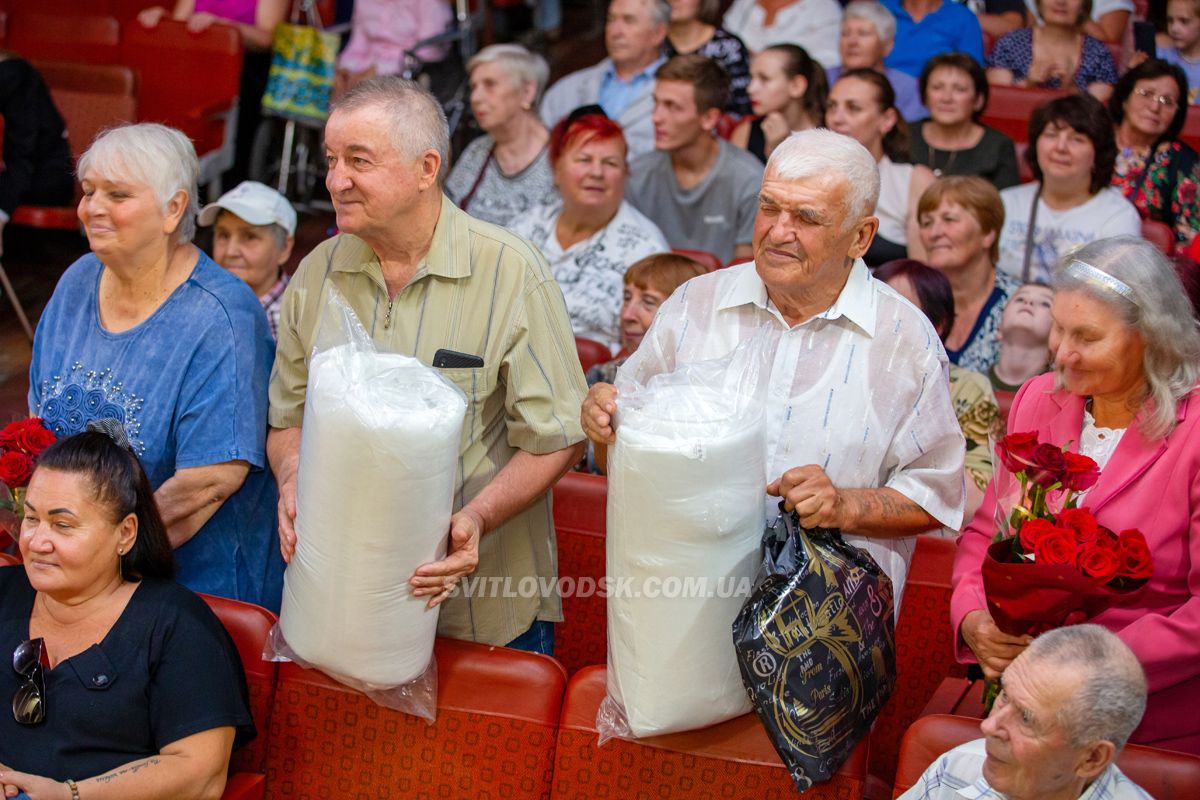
303	59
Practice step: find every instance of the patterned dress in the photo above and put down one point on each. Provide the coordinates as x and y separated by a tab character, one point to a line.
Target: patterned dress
1166	191
1014	52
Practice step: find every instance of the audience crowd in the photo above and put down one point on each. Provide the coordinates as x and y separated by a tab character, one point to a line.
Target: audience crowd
920	284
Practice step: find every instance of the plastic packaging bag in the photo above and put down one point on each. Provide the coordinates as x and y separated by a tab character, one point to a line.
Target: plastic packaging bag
378	457
685	514
816	646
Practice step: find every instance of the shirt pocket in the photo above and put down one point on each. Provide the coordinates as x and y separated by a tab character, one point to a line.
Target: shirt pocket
474	382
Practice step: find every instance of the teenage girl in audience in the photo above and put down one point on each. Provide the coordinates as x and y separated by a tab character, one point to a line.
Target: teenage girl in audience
862	105
1183	31
1154	170
1055	55
695	28
788	93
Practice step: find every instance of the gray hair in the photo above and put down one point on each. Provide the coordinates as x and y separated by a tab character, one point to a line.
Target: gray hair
156	156
522	66
1111	697
418	123
660	12
817	151
874	13
1160	312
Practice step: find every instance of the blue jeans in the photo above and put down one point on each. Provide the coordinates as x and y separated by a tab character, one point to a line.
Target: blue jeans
538	639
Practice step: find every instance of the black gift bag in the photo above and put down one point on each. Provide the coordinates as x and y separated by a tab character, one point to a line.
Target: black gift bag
816	644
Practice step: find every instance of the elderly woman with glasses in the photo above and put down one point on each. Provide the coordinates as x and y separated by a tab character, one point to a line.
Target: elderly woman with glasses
1123	392
124	684
1154	170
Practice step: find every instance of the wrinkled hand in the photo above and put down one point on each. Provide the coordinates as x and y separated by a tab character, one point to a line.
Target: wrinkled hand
809	491
597	414
775	129
287	519
993	648
150	17
437	580
200	22
36	787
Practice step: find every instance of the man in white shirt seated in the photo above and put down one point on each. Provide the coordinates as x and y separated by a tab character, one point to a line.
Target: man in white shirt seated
699	190
861	432
1067	706
622	83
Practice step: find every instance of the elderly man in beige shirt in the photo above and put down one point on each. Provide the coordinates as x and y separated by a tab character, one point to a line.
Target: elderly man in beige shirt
423	276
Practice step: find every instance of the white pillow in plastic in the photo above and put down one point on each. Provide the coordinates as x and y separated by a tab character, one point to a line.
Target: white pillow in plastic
378	456
686	482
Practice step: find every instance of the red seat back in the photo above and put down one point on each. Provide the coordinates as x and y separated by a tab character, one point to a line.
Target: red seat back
186	80
1024	171
1160	235
591	352
39	33
125	10
494	734
580	508
8	558
726	125
1162	773
924	648
1009	108
702	257
249	625
734	760
1190	135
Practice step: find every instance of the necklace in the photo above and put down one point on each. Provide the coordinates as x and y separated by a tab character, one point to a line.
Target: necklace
933	153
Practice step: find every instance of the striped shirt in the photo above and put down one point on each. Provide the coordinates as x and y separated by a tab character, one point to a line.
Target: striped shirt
957	775
271	302
482	291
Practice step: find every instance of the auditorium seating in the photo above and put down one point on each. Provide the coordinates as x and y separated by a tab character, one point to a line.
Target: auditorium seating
702	257
38	33
591	352
494	736
1160	235
8	558
733	761
1162	773
1190	135
1009	108
580	508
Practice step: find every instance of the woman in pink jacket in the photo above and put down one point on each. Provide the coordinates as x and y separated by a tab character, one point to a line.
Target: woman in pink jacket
1127	359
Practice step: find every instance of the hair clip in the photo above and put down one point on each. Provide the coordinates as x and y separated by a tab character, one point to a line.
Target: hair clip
1090	275
113	429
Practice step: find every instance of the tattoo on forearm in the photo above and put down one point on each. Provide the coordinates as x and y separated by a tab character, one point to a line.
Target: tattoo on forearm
128	769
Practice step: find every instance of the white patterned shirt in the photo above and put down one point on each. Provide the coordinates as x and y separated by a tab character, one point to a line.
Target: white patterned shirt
958	775
860	390
591	273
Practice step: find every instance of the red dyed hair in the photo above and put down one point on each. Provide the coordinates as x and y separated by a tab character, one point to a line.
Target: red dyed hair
590	127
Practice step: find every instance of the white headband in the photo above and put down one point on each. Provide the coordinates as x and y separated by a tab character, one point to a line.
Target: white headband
1089	274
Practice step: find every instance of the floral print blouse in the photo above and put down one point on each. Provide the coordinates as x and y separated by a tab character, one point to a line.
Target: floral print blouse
1166	189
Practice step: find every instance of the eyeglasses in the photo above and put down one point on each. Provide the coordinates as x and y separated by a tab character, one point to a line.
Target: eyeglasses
1163	100
29	703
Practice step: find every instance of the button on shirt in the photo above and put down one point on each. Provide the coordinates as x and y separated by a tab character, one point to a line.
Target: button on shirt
860	390
616	94
958	775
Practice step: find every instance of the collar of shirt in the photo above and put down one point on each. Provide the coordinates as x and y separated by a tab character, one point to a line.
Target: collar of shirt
275	292
615	95
856	302
447	256
1103	788
610	72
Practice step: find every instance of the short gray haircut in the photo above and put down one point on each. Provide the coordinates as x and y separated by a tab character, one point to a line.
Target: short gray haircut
155	156
1111	697
874	13
418	123
817	151
522	66
660	12
1162	314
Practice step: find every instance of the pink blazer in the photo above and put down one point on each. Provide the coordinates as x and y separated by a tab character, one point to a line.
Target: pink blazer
1150	485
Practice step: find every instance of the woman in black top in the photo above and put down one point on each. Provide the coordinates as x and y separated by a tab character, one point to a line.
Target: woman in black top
124	683
952	141
695	28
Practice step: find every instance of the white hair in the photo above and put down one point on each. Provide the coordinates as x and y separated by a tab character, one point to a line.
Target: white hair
660	12
418	123
154	155
1160	312
819	151
522	66
874	13
1111	697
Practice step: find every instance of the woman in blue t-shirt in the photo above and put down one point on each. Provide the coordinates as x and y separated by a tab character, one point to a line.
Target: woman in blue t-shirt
149	331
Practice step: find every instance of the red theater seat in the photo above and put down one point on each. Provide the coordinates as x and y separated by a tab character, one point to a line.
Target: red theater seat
702	257
40	33
924	649
591	352
1160	235
1190	135
1009	108
494	735
580	506
7	559
1165	774
732	761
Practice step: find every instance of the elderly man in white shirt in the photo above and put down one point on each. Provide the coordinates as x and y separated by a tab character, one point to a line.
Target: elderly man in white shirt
862	434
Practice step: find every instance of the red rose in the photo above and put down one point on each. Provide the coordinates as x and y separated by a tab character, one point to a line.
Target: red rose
1136	561
1049	465
1081	472
1032	531
1016	450
15	468
1055	548
30	435
1106	539
1099	563
1082	523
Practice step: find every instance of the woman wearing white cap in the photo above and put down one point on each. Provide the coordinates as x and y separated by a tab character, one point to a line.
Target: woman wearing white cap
254	228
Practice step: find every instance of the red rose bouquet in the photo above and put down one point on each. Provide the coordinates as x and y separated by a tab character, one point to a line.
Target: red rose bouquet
21	443
1051	563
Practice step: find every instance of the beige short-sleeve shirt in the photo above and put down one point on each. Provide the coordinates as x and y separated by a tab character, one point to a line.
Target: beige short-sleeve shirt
482	291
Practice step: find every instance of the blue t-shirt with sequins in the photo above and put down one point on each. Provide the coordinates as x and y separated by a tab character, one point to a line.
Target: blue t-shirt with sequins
189	384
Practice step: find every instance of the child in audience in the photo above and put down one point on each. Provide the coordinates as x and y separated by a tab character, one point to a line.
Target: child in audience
788	91
1024	338
1183	29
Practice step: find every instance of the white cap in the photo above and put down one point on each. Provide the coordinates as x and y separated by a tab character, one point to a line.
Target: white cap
254	202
